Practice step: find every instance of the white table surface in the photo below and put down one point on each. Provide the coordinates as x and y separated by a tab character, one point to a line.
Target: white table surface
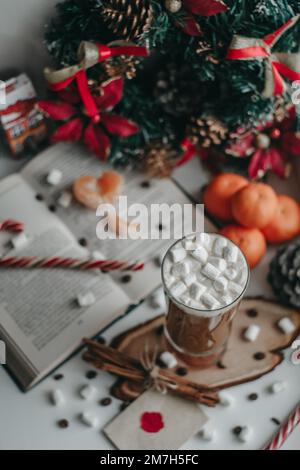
28	421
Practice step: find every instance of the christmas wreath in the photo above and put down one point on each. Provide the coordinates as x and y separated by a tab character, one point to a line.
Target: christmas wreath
181	75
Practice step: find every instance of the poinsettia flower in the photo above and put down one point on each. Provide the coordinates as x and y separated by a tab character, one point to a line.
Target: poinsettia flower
268	146
188	23
77	124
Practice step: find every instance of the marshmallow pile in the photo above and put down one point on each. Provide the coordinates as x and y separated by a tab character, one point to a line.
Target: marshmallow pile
205	271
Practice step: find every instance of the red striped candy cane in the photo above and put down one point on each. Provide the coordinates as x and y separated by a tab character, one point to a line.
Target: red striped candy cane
11	226
285	431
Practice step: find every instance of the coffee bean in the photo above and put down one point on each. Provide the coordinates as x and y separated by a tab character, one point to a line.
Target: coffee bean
105	401
276	421
63	423
252	396
101	340
91	374
252	313
58	377
220	365
83	242
39	197
125	279
181	371
52	208
145	184
237	430
259	356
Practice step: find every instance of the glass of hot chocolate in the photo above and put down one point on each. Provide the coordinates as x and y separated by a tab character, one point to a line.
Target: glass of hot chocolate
205	276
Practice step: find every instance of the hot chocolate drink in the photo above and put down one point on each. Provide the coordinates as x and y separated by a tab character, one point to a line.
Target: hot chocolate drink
205	277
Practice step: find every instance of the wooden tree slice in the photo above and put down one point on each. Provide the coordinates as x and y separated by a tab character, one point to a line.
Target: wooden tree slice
243	361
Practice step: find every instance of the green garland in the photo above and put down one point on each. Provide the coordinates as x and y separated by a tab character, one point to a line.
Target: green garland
228	90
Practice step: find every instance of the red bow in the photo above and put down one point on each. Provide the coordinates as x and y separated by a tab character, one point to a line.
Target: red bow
89	54
278	63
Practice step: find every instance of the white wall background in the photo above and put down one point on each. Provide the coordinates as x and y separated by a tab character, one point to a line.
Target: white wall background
21	35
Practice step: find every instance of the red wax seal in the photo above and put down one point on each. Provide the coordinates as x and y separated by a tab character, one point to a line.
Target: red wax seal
152	422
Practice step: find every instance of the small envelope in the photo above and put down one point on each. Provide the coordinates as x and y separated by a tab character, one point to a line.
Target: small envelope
155	422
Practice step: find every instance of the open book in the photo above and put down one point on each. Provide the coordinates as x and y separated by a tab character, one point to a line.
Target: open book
40	320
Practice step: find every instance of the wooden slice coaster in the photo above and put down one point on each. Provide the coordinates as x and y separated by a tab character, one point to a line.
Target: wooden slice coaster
243	361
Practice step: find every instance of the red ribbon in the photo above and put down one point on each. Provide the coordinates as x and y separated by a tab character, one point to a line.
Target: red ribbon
104	53
190	151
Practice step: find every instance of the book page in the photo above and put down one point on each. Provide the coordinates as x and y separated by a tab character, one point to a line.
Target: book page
74	161
40	318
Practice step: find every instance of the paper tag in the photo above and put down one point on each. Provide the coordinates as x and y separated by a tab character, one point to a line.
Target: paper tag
154	422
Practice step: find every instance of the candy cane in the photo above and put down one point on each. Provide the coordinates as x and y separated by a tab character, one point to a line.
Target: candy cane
69	263
11	226
287	429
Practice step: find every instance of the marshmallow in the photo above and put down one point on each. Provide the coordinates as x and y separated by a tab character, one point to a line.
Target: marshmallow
89	419
189	245
177	289
87	392
220	284
209	301
169	280
97	256
167	265
219	245
218	263
208	434
65	199
178	254
252	332
230	273
19	241
181	269
168	359
157	300
210	271
57	397
86	300
225	399
286	325
277	387
231	253
196	290
226	299
245	434
190	279
241	277
200	254
204	239
235	288
185	299
54	177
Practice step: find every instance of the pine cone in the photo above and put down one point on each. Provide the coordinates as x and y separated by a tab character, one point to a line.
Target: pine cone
159	160
284	274
121	67
207	131
128	19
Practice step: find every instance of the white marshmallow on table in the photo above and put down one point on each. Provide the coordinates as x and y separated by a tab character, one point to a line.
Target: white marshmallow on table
277	387
89	419
157	299
235	288
210	271
87	392
251	333
218	263
208	434
226	399
86	300
200	254
19	241
286	325
220	284
245	434
190	279
57	397
178	288
178	254
97	256
219	245
196	290
181	269
209	300
168	359
65	199
54	177
231	253
230	274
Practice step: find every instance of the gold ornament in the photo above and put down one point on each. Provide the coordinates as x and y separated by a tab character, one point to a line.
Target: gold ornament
173	6
159	160
207	131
